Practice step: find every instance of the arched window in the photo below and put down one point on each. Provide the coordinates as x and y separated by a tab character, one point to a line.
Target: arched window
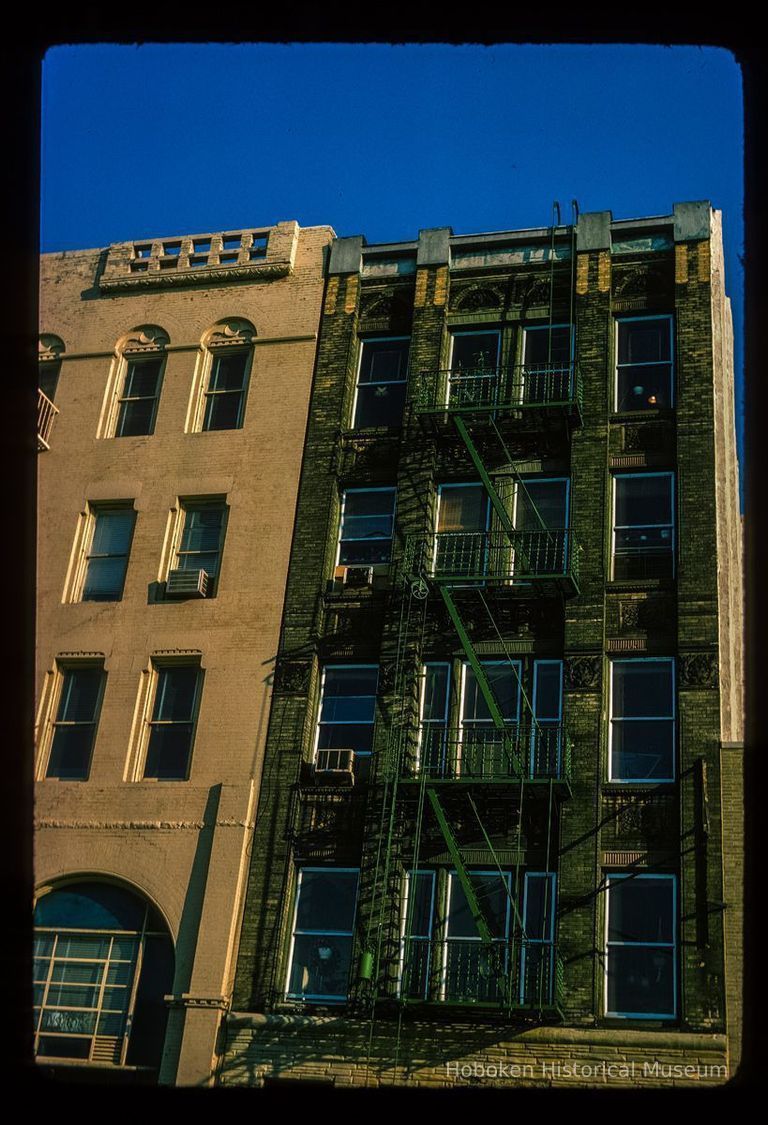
141	360
103	963
226	368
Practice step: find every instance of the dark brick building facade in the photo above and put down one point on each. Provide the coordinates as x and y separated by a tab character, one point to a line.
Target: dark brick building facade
500	823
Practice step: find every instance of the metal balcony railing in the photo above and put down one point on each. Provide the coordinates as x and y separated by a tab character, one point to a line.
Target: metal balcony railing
46	412
519	974
498	557
539	751
478	390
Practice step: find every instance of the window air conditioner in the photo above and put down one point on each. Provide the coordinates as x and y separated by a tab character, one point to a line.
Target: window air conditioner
187	584
335	766
354	576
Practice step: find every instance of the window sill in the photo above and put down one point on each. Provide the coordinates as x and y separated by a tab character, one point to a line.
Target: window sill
372	432
655	414
627	585
59	1061
637	1023
643	786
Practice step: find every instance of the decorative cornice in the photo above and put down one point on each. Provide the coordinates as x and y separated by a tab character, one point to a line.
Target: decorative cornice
204	276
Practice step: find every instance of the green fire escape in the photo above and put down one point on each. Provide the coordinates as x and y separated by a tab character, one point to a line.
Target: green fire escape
521	975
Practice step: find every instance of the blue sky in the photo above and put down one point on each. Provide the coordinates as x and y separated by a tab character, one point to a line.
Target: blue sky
384	140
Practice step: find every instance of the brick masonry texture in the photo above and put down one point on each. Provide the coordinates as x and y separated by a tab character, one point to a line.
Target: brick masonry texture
691	828
182	844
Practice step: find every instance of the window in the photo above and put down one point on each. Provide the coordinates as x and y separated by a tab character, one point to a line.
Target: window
547	725
463	518
103	962
258	247
644	531
202	538
474	368
138	402
381	382
472	972
416	951
346	717
483	749
367	518
641	947
433	746
443	957
109	532
642	724
547	360
644	376
479	748
225	393
321	945
172	725
77	716
541	523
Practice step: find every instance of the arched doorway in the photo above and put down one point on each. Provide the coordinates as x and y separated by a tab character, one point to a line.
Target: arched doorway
103	961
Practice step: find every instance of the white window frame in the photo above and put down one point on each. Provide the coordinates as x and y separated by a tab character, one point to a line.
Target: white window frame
615	877
311	998
422	699
126	362
195	503
84	541
672	372
210	354
453	878
513	665
145	709
670	660
51	722
440	905
536	718
551	877
545	328
490	331
543	480
347	722
673	525
366	539
430	939
379	382
460	484
106	961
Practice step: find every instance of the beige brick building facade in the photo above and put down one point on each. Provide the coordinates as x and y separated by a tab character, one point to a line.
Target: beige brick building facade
178	375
